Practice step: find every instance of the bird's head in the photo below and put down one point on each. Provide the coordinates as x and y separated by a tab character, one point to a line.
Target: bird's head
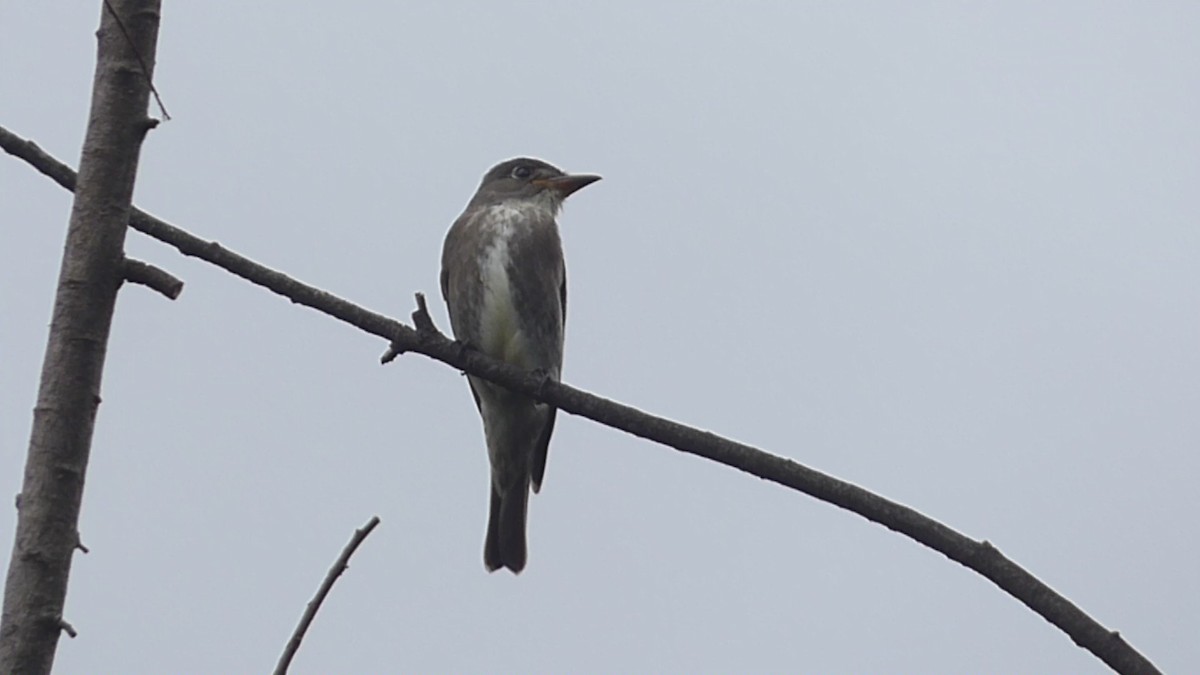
525	178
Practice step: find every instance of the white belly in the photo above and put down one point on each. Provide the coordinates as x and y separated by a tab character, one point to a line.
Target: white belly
501	332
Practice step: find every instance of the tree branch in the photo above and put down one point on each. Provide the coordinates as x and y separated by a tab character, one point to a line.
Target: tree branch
981	557
310	612
138	272
69	392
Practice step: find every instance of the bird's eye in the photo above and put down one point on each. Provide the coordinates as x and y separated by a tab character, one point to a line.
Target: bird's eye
522	172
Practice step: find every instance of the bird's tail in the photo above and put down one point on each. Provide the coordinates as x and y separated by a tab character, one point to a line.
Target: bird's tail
505	542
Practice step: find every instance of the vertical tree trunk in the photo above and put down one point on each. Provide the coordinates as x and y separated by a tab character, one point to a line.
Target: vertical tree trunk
69	393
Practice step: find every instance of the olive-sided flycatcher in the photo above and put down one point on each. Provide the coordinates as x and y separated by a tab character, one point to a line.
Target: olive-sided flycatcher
505	285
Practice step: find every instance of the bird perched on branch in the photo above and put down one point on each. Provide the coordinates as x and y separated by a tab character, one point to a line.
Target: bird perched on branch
505	284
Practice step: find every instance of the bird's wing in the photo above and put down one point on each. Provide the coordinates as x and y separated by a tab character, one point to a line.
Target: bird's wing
562	296
449	250
475	395
538	469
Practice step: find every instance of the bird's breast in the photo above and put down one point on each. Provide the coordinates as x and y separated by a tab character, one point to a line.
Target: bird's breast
500	324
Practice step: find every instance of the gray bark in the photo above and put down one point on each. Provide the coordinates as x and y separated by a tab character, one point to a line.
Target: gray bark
69	393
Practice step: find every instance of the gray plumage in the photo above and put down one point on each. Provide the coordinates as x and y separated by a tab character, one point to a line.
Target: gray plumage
505	284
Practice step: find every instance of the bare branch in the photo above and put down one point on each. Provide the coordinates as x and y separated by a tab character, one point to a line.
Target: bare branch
148	275
310	612
37	158
982	557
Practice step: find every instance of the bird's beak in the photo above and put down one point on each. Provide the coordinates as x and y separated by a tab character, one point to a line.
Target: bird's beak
565	185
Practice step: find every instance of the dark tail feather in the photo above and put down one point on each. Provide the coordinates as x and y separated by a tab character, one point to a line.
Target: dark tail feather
505	542
538	470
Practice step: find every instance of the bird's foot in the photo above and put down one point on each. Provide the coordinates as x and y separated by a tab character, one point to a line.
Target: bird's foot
543	378
465	349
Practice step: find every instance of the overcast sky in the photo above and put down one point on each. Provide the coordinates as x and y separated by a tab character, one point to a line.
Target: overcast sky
946	251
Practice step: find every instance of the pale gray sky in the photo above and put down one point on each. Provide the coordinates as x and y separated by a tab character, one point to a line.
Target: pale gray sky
946	251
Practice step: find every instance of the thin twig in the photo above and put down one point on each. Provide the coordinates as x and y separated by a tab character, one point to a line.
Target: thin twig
145	71
421	320
981	557
310	612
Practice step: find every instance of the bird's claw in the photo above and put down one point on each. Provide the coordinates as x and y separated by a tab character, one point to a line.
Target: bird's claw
466	348
543	377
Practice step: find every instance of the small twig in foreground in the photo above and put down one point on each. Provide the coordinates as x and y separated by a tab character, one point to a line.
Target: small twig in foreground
310	612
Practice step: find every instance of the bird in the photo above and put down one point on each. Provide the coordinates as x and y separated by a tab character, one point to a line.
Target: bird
505	285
